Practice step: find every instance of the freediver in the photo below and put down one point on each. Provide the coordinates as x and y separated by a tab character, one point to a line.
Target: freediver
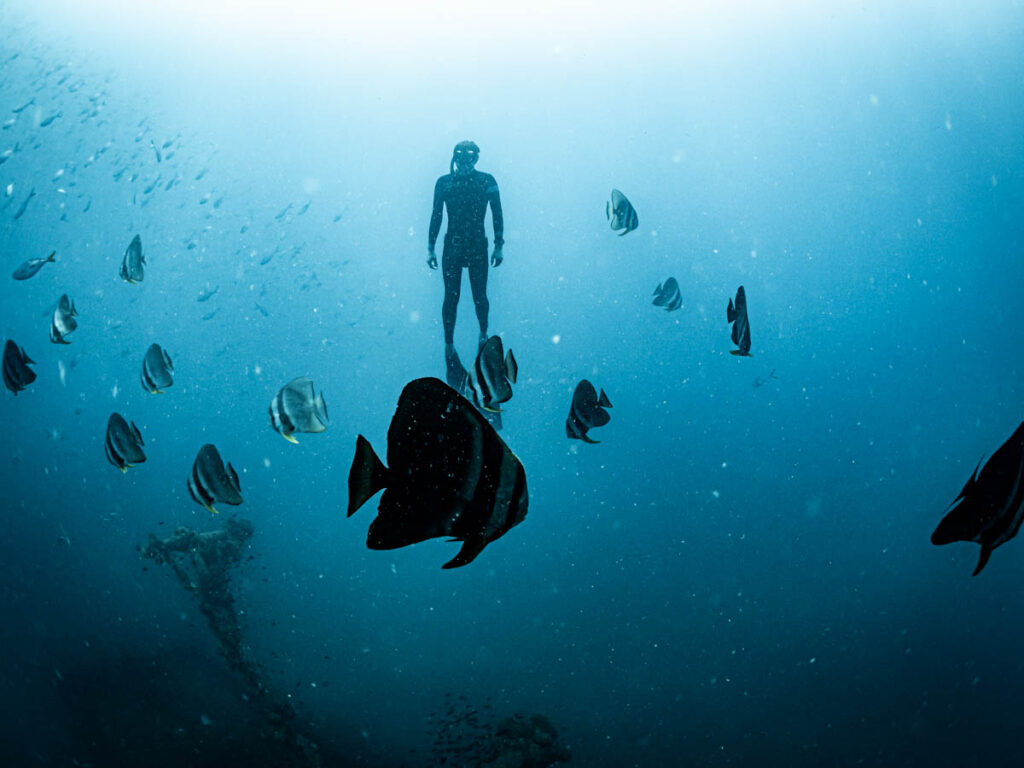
465	192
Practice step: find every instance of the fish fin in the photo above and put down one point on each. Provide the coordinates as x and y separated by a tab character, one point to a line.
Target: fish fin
587	439
124	469
623	234
471	547
603	400
986	553
730	312
366	476
511	367
489	409
739	353
290	438
321	408
157	392
211	509
608	210
51	256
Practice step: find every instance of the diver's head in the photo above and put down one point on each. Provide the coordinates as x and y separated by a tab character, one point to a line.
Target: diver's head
464	157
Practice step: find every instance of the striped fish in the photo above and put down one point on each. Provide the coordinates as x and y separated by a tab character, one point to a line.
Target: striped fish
123	443
737	315
157	370
990	508
63	321
297	408
450	474
133	265
211	482
16	372
667	295
586	412
621	213
494	372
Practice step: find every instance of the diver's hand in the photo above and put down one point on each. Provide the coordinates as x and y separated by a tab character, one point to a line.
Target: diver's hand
431	260
496	257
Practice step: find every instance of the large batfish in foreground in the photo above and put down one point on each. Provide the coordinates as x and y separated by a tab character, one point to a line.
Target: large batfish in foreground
298	408
990	508
211	482
30	267
448	474
736	313
16	371
586	412
621	213
133	265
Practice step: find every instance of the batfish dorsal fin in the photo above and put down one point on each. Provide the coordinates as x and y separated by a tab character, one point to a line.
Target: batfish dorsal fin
367	475
730	313
986	553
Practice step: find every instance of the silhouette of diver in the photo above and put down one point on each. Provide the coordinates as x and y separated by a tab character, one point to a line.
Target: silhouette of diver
465	192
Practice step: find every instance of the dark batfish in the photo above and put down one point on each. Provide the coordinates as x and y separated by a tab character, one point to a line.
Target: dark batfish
990	508
586	412
667	295
29	268
133	264
737	315
123	443
449	474
493	374
297	408
211	482
157	370
63	321
17	374
621	213
458	378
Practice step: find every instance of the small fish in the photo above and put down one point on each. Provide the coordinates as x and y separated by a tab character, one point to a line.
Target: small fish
737	315
207	294
24	206
990	508
586	412
667	295
297	408
7	154
621	213
9	123
304	208
63	321
48	120
123	443
23	107
494	372
261	310
211	481
450	475
157	370
16	372
284	212
211	315
201	174
153	185
761	381
156	151
30	267
134	262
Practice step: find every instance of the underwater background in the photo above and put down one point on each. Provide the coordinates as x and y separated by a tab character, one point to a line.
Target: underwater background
740	573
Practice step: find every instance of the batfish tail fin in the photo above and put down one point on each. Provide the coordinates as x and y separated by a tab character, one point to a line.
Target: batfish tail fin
986	553
367	475
471	547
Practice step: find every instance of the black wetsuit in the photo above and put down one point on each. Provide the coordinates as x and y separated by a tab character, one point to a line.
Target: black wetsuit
465	244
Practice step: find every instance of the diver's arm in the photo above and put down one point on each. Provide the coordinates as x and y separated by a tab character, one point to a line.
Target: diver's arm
436	214
498	221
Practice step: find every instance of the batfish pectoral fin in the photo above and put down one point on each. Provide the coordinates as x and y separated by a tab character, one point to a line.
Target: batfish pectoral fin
586	439
366	476
986	553
290	438
471	547
211	509
489	409
739	353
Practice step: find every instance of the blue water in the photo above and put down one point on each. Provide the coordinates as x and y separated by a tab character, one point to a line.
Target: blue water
735	575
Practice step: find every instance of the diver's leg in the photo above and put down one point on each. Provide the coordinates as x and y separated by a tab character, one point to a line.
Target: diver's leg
478	283
452	275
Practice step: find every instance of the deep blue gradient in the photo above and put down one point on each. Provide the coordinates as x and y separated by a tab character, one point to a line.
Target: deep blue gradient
735	575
